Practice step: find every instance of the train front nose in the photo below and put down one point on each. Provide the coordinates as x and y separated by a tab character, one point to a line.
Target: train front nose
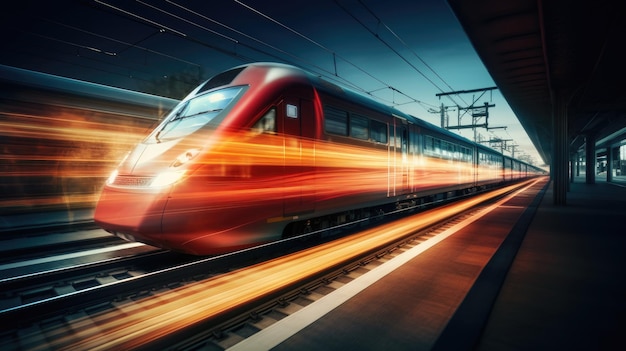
132	215
133	199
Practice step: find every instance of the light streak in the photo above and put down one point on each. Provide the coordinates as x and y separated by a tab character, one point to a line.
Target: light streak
59	158
240	180
137	324
105	250
55	156
325	169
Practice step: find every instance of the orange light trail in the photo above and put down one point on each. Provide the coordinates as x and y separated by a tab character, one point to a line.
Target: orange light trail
138	324
57	156
69	152
274	167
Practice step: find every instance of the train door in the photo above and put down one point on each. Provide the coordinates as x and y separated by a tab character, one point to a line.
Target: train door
507	169
414	156
297	119
401	156
475	160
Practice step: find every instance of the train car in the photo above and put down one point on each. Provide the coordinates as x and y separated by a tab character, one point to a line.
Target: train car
266	150
60	137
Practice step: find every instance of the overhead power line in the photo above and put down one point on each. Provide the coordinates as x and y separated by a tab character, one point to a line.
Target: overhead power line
404	43
134	45
335	54
390	46
333	76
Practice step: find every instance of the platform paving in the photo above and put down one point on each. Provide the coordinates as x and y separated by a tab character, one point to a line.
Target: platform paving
563	288
566	289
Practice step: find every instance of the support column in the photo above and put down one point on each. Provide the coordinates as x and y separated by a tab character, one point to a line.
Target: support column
609	163
573	160
590	155
560	150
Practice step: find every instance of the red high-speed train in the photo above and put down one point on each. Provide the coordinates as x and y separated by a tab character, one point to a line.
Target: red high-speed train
265	151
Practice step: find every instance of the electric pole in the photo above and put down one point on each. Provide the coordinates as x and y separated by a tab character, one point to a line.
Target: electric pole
443	114
477	112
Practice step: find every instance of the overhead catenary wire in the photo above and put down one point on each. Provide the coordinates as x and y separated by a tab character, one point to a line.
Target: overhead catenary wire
404	43
395	35
333	76
328	75
128	13
231	53
334	53
128	45
234	54
258	41
390	47
188	21
87	57
238	42
152	43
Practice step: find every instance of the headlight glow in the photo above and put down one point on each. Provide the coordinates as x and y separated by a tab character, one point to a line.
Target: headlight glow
112	177
167	178
185	157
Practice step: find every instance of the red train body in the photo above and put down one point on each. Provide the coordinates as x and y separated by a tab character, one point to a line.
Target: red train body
265	150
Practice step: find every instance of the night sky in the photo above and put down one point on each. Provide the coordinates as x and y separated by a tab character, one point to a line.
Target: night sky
400	52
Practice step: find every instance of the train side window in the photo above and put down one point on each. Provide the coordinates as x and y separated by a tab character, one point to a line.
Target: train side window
335	121
437	147
359	127
378	132
467	154
445	149
429	145
267	123
292	111
405	142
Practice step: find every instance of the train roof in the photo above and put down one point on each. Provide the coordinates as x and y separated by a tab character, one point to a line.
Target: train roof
370	102
344	93
338	91
49	82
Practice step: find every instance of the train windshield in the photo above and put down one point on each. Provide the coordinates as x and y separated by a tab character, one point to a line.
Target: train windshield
194	114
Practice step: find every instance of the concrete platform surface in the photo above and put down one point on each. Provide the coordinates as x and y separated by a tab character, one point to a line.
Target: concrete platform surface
566	289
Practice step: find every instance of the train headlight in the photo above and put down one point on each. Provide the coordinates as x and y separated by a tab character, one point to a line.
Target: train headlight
185	157
167	178
172	175
112	177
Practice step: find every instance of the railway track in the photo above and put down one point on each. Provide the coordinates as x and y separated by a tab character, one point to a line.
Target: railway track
32	290
35	296
230	333
35	320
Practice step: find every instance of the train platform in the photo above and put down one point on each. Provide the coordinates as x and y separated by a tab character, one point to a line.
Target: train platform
527	276
566	288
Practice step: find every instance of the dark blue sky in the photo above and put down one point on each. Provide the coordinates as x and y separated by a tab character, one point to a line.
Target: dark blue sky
415	47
